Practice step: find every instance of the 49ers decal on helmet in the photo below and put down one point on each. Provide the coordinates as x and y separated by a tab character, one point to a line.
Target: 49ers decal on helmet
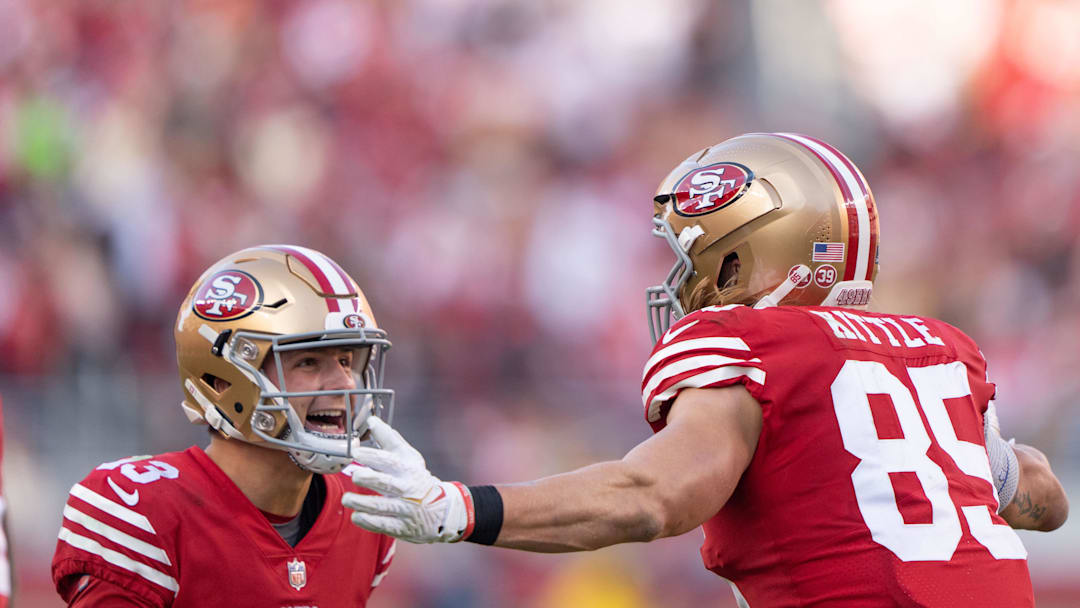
227	295
354	321
710	188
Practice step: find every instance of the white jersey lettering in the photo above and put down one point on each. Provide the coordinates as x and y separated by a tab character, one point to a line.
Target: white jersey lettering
845	325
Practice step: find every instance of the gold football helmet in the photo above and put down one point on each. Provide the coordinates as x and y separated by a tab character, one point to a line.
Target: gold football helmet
765	219
265	302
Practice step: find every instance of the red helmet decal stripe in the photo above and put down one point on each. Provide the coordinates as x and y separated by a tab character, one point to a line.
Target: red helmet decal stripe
353	302
856	203
871	207
308	258
340	282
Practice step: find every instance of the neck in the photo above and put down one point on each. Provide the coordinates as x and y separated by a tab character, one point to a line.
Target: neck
268	477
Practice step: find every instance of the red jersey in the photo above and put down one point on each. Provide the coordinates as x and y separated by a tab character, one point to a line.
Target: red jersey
870	484
176	531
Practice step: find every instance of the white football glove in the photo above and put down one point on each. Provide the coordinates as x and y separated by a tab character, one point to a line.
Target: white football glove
415	505
1004	467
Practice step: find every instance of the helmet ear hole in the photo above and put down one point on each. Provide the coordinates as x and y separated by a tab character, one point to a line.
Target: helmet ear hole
215	384
729	271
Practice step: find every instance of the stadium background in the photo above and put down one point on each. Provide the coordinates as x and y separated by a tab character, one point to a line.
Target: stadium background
484	169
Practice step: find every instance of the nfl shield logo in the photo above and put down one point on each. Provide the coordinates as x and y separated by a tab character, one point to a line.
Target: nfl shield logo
297	574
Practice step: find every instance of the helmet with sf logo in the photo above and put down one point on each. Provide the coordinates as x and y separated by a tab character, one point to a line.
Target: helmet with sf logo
764	219
248	310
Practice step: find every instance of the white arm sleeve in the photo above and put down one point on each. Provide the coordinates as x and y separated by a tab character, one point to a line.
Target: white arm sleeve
1004	467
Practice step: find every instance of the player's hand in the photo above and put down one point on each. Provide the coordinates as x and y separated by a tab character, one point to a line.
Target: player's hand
415	505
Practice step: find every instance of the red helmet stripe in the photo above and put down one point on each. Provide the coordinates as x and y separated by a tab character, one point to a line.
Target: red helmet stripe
324	281
860	235
349	287
340	282
871	207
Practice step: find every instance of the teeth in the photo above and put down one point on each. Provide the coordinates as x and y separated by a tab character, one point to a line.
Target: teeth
332	420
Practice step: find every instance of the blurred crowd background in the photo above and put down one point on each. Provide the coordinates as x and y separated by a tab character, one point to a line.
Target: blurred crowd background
484	169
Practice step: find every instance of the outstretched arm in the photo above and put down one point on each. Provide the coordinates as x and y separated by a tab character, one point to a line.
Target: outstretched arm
667	485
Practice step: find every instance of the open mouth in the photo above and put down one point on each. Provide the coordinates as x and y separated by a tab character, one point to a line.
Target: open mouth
328	422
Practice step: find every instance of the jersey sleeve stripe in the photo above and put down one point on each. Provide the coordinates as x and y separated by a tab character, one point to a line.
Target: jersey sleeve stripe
119	559
389	554
112	508
112	534
693	344
684	365
384	565
703	380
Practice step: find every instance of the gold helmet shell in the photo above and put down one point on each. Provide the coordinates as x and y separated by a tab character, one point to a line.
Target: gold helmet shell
777	218
259	302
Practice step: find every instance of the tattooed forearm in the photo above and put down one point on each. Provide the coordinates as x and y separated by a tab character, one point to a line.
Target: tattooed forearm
1026	507
1040	502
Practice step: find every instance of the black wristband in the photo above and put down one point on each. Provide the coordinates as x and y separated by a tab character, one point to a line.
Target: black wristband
488	511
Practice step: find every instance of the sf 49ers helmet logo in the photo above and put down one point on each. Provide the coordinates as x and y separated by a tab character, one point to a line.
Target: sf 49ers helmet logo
710	188
227	295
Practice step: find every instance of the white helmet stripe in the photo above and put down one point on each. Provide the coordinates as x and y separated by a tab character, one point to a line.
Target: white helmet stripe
341	282
870	207
331	279
855	193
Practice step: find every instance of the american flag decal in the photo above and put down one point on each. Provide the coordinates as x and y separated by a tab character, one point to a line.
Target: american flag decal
828	252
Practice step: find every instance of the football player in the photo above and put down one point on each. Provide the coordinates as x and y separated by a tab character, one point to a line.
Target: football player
280	355
833	456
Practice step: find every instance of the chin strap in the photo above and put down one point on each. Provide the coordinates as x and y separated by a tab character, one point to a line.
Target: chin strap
849	294
317	463
316	459
800	274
